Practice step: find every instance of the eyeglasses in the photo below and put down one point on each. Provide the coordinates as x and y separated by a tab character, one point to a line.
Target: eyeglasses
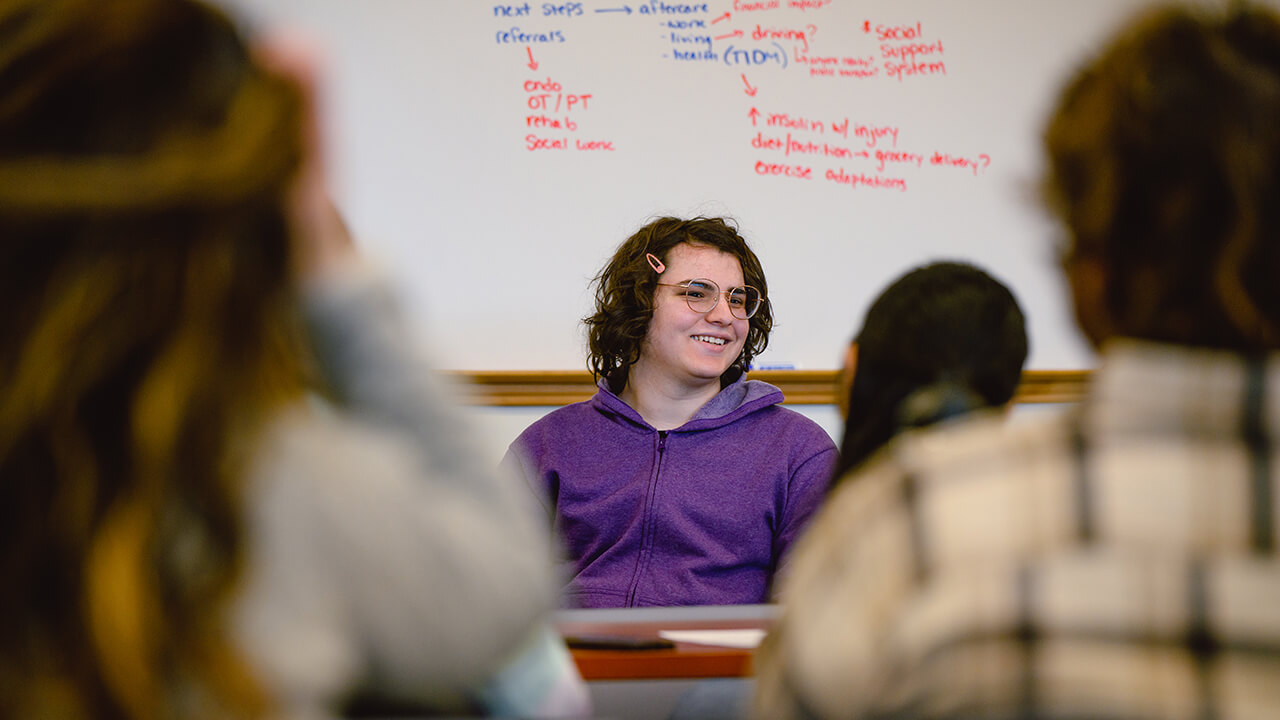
703	294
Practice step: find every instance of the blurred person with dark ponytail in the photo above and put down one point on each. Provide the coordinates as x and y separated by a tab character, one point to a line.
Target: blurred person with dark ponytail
939	342
182	532
1117	560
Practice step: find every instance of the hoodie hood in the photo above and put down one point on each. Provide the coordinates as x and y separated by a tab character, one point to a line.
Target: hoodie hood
739	398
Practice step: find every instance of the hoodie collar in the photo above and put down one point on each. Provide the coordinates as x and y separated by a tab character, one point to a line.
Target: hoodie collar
737	399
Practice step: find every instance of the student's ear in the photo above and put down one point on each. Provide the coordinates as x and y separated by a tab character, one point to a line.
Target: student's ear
1088	280
846	379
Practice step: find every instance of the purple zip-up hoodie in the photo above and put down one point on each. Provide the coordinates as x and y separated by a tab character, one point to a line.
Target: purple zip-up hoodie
699	515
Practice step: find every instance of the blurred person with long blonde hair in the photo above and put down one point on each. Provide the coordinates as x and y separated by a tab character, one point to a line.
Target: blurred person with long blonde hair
183	532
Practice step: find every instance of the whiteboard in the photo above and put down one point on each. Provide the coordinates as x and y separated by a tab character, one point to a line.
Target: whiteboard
493	155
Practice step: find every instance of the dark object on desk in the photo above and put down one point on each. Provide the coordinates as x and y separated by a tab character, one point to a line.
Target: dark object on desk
617	642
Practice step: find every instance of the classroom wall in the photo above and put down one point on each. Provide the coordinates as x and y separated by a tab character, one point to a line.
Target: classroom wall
493	154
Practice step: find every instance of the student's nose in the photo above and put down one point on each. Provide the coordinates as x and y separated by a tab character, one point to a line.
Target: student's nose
720	314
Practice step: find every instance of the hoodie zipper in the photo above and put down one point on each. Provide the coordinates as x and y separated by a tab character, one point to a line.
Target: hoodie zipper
646	537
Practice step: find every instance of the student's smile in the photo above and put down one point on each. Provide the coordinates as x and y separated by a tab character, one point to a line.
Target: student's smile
683	344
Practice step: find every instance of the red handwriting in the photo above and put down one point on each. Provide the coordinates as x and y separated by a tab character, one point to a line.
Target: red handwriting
764	33
547	95
533	143
544	101
908	52
791	145
837	65
812	148
794	123
542	121
799	172
552	106
859	179
900	46
548	85
740	6
885	157
745	6
904	70
815	60
896	32
871	135
975	164
883	160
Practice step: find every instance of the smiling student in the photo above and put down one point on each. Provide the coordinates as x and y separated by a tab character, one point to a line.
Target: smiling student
680	482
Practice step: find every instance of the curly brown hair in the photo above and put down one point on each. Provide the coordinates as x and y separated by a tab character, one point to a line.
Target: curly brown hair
625	293
146	162
1164	163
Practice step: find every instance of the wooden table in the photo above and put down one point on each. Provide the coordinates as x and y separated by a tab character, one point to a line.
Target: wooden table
684	661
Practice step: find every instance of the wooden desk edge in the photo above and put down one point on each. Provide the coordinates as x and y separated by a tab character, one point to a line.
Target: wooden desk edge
680	663
553	388
684	661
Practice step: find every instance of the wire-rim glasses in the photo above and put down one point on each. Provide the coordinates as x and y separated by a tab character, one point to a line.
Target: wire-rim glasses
703	295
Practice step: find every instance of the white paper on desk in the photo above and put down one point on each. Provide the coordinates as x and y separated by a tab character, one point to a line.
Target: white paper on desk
736	638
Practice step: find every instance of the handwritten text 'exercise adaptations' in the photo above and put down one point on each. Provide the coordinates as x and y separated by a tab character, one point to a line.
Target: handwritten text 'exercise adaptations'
787	145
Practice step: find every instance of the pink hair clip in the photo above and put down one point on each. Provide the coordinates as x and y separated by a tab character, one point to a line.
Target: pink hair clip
655	263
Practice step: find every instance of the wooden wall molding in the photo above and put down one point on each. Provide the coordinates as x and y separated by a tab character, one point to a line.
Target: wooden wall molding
529	388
